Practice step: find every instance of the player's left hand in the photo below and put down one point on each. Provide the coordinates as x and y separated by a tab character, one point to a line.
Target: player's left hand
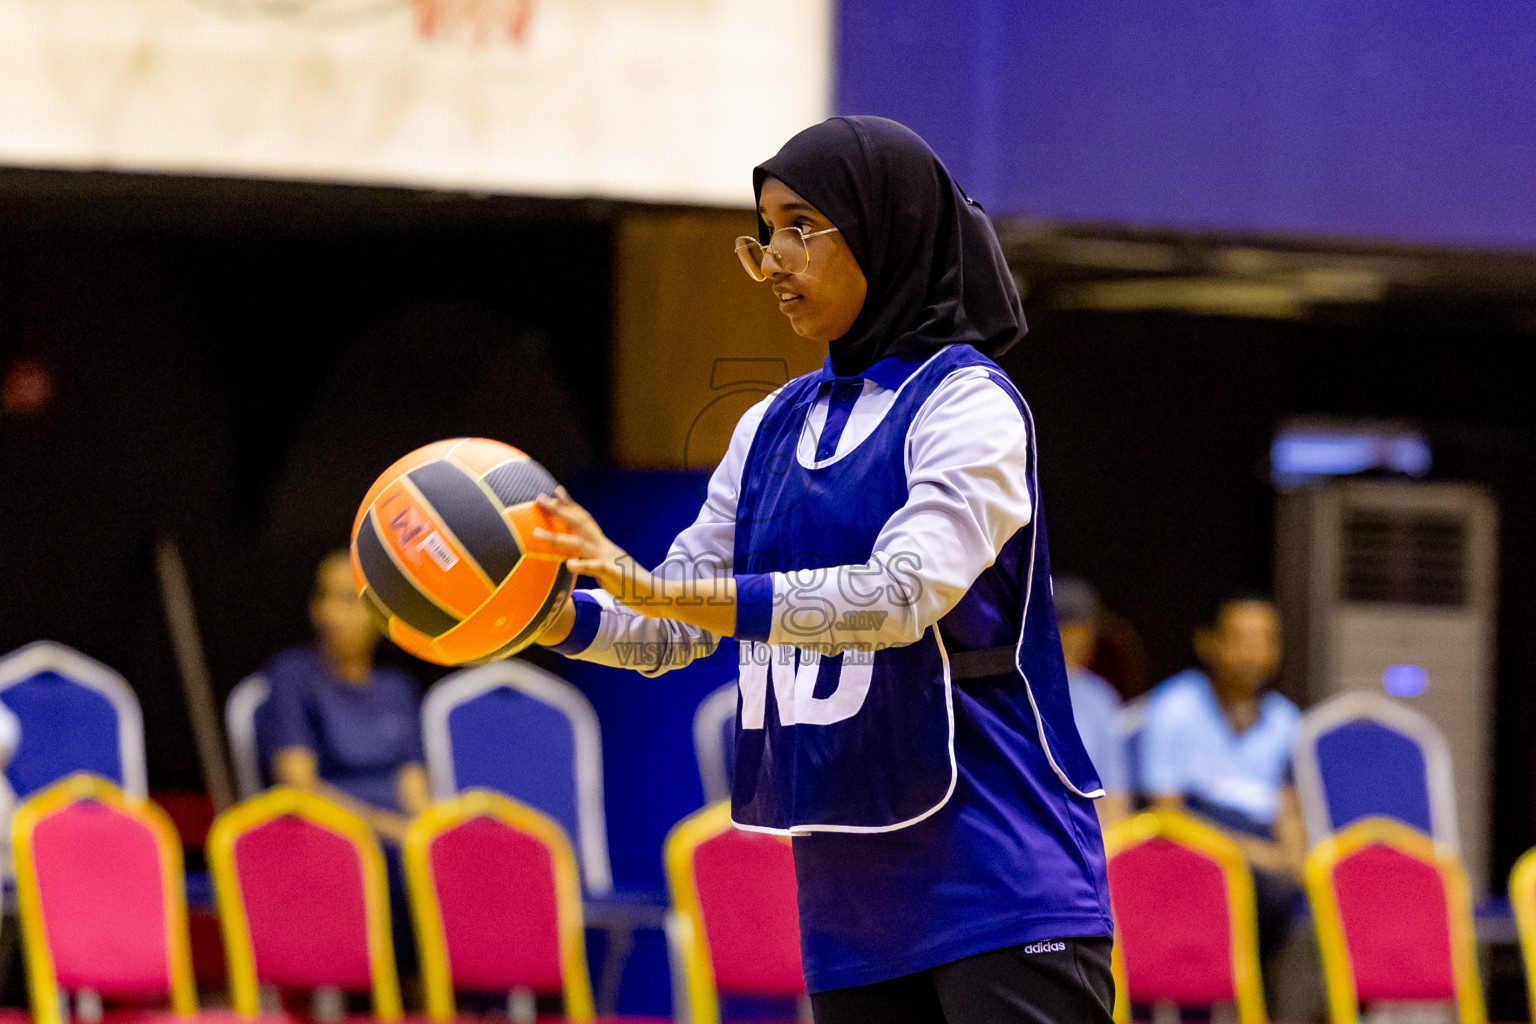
589	552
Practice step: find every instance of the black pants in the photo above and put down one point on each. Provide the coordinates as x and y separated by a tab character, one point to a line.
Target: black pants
1069	985
1273	895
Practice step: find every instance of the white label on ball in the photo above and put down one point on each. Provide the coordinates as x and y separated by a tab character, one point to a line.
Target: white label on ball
434	545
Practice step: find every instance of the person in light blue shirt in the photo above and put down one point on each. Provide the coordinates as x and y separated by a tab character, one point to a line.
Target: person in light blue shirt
1218	744
1095	703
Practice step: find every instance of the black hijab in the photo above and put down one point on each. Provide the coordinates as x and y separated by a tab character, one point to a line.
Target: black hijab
935	270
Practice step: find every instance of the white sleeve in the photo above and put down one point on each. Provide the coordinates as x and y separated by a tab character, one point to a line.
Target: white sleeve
705	550
969	491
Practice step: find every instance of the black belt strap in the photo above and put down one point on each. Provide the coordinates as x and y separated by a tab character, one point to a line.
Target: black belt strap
989	661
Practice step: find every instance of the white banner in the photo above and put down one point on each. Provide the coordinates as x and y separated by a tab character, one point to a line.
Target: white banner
670	100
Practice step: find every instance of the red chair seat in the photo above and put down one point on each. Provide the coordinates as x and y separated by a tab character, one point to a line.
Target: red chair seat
1394	920
1185	923
497	900
99	895
501	1019
738	924
303	900
137	1016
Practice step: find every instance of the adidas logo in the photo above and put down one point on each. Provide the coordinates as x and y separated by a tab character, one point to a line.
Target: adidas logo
1045	947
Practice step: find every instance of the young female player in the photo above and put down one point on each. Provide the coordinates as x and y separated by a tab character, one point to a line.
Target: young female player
873	539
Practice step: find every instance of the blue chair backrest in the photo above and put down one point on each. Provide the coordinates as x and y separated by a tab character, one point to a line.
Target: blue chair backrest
1130	725
728	745
1369	769
515	744
240	713
75	715
714	741
1360	754
518	730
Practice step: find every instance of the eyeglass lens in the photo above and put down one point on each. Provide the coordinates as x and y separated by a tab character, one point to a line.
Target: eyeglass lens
789	253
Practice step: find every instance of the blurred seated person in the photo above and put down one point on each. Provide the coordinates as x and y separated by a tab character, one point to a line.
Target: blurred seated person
338	725
1218	746
1095	703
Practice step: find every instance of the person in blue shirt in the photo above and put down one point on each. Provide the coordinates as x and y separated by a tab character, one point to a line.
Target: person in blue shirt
340	725
874	540
1218	744
1095	703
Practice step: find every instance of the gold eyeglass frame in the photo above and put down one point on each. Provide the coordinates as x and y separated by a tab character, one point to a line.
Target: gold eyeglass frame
745	244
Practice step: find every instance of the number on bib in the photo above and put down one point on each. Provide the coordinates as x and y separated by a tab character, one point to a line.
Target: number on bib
791	673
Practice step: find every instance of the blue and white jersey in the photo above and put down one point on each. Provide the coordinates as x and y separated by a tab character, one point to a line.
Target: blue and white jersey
1188	749
904	708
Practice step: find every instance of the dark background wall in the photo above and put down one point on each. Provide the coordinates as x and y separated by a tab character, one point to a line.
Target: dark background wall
234	362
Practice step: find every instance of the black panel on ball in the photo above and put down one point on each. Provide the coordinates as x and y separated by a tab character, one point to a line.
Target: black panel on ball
468	511
519	481
394	589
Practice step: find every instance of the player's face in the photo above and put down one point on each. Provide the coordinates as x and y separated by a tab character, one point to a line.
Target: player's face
1243	650
341	620
824	299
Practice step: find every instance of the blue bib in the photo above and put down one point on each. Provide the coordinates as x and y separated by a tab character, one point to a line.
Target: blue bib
862	741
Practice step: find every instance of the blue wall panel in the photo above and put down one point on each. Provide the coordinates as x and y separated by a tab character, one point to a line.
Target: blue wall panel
1413	121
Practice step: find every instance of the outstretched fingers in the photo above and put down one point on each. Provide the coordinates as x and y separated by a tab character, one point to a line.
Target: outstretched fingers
585	536
560	504
566	541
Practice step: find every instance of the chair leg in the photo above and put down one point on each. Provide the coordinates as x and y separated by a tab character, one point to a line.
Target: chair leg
620	944
682	999
327	1004
88	1006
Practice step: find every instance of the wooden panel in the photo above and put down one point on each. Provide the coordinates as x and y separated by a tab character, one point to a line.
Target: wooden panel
696	341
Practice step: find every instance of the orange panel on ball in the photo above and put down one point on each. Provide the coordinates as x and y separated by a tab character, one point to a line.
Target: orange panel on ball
428	553
398	469
414	642
524	519
512	607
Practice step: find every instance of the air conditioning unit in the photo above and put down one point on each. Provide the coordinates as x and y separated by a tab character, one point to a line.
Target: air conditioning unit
1372	575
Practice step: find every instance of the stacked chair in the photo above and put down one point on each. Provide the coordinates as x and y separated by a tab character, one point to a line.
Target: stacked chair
497	902
734	928
303	900
510	866
76	715
714	741
512	728
304	903
1390	899
1361	755
100	900
1394	920
1185	924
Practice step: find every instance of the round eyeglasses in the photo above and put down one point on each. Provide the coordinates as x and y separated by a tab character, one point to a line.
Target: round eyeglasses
787	246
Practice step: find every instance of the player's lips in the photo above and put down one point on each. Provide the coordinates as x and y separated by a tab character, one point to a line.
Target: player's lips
786	298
